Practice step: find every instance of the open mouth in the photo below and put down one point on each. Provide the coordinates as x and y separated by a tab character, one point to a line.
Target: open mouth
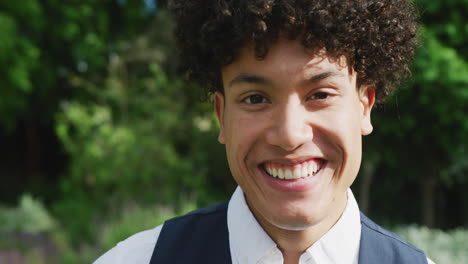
292	172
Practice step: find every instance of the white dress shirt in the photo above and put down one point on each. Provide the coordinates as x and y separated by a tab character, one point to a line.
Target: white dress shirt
250	244
339	245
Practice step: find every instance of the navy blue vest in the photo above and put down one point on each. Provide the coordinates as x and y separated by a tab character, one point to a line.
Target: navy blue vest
202	237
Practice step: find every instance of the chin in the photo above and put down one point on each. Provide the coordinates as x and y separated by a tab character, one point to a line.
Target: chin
296	223
294	226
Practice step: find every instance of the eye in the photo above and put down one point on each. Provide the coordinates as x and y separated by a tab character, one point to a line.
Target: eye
255	99
319	96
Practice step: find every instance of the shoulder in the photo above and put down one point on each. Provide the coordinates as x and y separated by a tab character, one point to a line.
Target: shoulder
195	221
218	208
212	209
199	233
136	249
385	234
186	222
378	238
139	247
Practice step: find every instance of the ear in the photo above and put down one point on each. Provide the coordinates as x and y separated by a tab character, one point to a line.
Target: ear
219	110
367	99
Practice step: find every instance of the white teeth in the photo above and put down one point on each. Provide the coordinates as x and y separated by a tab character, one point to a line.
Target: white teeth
280	174
313	168
300	171
297	173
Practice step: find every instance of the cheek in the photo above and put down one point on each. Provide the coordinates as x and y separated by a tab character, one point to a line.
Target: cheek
244	125
341	131
242	135
351	143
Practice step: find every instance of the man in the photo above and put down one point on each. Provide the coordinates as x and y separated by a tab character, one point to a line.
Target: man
293	85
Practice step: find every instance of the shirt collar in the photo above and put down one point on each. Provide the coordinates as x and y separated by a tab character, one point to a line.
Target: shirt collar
341	243
249	243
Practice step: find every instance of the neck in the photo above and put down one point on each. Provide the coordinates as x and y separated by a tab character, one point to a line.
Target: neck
293	243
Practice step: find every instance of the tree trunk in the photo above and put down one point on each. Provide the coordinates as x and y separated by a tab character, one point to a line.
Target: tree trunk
368	169
32	151
427	195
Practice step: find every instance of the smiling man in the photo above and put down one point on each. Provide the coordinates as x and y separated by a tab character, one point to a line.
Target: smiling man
293	86
292	126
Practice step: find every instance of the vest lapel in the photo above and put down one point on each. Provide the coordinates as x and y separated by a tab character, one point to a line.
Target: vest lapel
383	247
200	237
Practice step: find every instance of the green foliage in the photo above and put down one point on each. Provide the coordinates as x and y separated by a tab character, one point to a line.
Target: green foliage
43	43
130	133
447	21
134	219
30	216
435	102
420	134
101	73
21	55
440	247
126	221
131	144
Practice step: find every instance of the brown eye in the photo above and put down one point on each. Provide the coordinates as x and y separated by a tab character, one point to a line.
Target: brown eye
255	99
319	96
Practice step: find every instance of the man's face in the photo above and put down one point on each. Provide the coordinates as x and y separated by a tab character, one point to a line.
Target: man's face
292	125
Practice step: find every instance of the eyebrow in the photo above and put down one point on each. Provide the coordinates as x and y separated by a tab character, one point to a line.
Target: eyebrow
249	78
322	76
256	79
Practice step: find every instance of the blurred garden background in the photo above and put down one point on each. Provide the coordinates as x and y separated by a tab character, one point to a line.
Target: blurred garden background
101	137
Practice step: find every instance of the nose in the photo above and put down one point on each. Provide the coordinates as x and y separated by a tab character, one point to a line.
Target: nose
289	127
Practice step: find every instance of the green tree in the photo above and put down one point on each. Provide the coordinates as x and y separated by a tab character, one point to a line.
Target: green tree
44	47
421	133
144	138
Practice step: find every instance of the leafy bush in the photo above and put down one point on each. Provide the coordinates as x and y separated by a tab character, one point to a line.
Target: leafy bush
129	220
440	246
29	232
30	216
136	144
135	219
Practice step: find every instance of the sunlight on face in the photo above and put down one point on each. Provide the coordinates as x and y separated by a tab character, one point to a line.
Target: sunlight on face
292	126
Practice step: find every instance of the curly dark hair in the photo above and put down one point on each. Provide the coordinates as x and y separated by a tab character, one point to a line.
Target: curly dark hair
378	37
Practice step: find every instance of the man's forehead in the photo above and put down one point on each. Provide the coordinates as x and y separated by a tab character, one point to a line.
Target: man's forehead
286	56
282	48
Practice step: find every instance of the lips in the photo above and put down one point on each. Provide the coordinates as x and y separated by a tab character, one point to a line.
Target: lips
294	171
